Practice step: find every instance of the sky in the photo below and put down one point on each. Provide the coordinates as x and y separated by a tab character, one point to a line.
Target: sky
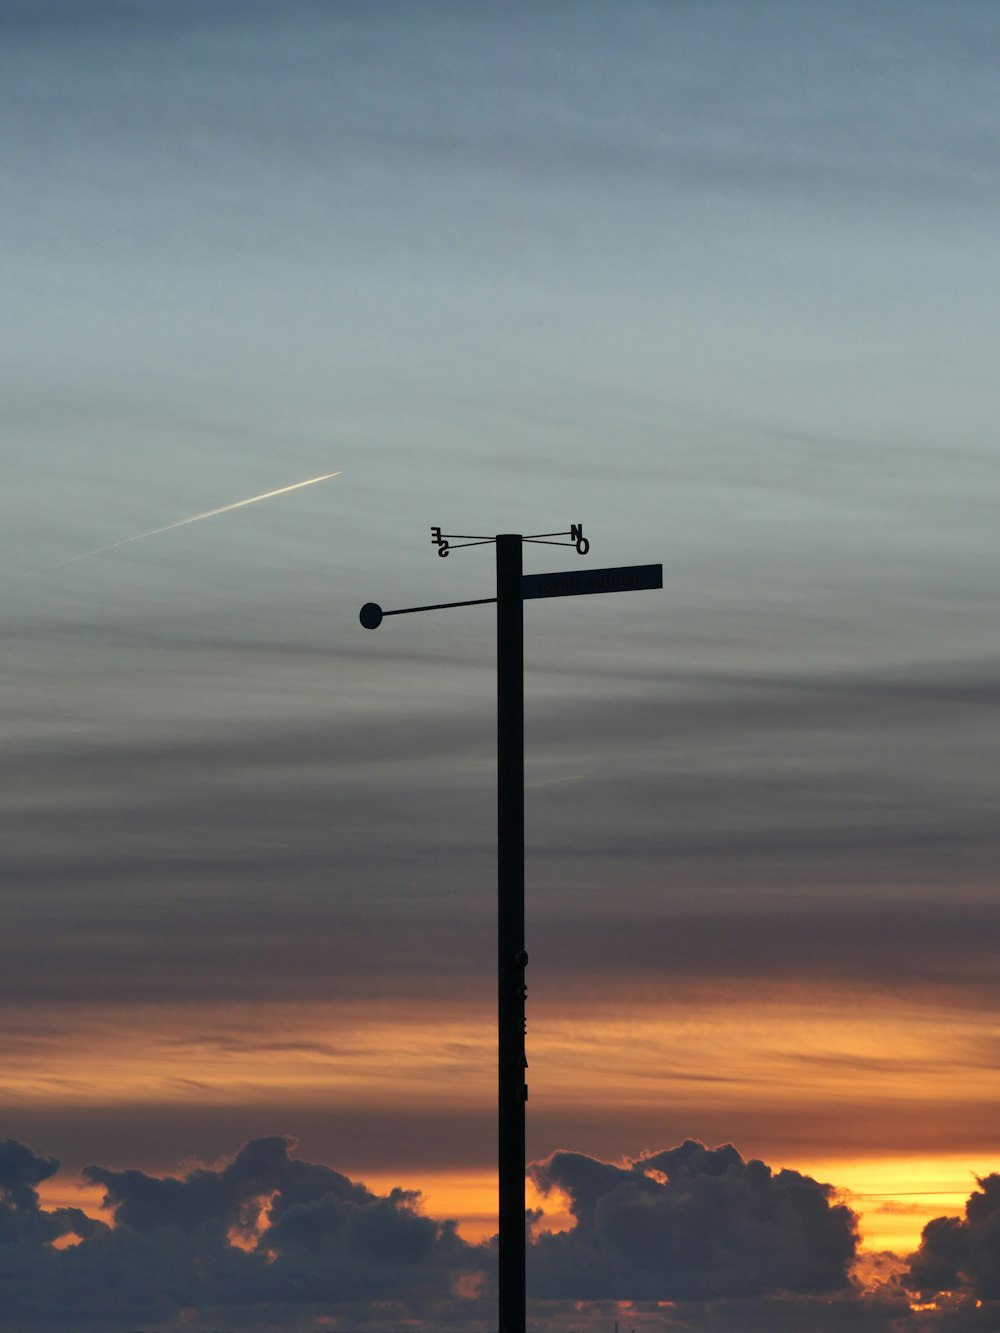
716	280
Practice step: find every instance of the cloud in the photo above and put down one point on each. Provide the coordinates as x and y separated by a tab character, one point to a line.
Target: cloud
686	1237
690	1223
265	1230
25	1228
21	1169
798	786
961	1253
228	1197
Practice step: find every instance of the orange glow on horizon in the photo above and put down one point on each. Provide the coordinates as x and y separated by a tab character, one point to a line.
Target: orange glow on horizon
470	1198
833	1079
894	1197
897	1196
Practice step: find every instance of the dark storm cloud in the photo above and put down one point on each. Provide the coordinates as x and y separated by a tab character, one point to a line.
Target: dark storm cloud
691	1223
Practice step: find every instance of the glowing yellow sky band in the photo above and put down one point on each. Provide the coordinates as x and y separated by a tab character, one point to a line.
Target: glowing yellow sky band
196	518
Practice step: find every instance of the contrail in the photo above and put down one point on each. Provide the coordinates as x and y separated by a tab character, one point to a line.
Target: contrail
196	518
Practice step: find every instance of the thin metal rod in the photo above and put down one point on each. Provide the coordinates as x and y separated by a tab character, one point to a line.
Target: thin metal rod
439	606
468	537
535	535
511	956
540	541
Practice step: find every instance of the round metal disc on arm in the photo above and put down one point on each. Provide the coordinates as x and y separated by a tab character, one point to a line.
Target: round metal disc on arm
371	615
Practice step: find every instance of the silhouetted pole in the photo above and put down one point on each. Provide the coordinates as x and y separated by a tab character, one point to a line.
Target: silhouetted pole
512	589
511	955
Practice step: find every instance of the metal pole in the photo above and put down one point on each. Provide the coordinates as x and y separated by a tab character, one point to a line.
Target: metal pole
511	955
512	589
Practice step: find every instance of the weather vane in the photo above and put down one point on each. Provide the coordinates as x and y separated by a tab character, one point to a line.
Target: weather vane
513	589
445	541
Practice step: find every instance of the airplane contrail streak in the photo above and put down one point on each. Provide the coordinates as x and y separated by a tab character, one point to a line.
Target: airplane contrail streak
196	518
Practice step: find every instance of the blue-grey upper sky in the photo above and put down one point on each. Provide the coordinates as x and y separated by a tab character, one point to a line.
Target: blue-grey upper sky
717	280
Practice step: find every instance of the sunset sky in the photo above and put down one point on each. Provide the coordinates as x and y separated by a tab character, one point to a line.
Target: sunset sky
717	280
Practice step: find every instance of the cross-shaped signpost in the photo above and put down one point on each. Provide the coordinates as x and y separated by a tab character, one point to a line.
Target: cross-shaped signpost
513	587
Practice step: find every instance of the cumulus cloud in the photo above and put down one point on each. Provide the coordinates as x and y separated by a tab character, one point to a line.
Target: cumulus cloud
264	1231
23	1224
690	1223
685	1237
21	1169
230	1197
962	1253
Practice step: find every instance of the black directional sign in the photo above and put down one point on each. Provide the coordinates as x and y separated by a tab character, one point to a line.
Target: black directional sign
624	578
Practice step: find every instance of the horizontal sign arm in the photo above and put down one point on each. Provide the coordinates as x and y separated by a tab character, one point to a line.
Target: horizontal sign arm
624	578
